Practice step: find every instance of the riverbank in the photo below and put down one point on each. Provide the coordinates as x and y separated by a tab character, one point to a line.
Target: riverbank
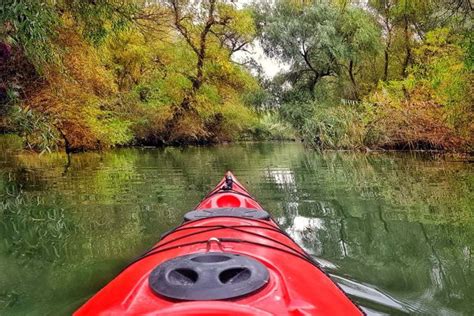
92	76
14	143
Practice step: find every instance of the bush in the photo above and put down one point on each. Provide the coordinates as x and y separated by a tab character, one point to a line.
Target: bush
432	107
336	127
409	125
38	133
327	126
78	99
270	126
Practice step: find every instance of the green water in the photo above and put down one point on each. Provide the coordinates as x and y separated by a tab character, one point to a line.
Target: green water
395	230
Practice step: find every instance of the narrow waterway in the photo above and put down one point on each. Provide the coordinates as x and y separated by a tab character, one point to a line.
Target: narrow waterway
395	230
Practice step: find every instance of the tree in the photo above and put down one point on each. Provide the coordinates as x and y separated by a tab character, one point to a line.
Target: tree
305	37
384	9
362	43
210	25
405	18
30	25
318	40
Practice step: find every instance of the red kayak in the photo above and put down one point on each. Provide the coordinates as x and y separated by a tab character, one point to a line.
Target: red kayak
228	257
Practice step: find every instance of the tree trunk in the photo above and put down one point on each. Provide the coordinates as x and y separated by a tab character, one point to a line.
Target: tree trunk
200	50
67	145
354	84
312	85
407	60
386	61
387	47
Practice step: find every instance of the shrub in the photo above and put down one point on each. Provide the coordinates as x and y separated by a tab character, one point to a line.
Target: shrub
432	107
78	98
270	126
37	131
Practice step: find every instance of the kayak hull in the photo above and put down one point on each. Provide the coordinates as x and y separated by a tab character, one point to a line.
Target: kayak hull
296	286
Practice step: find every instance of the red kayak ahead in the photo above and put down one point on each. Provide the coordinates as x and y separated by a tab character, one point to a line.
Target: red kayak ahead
228	257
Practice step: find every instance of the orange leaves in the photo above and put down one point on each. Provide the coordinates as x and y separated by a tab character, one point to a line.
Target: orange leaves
78	96
413	125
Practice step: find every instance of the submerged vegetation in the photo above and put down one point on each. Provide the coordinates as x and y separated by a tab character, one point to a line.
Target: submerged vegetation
86	75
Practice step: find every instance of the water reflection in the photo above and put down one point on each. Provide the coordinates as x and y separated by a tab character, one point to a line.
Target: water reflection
370	298
395	231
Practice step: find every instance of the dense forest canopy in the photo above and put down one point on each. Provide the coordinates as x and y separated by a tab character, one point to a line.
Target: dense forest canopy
100	73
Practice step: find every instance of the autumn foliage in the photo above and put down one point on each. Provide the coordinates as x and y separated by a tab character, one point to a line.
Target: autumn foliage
86	75
391	75
145	79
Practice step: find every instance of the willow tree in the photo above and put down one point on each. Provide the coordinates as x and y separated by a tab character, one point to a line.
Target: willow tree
317	40
362	41
54	73
305	37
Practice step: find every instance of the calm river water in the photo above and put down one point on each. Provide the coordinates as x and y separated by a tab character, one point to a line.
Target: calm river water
396	231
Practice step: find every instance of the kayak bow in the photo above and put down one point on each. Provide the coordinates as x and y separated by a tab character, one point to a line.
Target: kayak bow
228	257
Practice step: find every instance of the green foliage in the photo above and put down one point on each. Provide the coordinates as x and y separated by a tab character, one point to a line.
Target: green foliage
100	18
33	24
319	40
440	65
433	105
129	55
270	126
177	95
38	132
126	72
389	77
325	126
96	74
79	98
306	38
30	24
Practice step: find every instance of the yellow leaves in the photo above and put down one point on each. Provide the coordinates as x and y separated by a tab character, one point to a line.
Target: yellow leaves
430	108
137	78
438	37
128	54
240	21
78	97
83	65
442	77
300	3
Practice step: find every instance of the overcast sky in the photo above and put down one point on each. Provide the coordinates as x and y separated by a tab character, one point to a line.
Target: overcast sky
270	66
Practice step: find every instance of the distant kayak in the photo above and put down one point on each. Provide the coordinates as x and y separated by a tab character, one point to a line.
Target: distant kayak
228	257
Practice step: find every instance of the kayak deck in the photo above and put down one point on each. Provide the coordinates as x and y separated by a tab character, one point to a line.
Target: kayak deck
228	257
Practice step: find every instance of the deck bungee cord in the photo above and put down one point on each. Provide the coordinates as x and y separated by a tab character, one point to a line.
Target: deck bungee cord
230	240
158	248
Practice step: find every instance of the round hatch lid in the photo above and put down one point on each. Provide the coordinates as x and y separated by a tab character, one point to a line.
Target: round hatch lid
208	276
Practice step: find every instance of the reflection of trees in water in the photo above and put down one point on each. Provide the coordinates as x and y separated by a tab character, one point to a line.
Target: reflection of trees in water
65	234
60	229
364	213
107	204
284	180
398	222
